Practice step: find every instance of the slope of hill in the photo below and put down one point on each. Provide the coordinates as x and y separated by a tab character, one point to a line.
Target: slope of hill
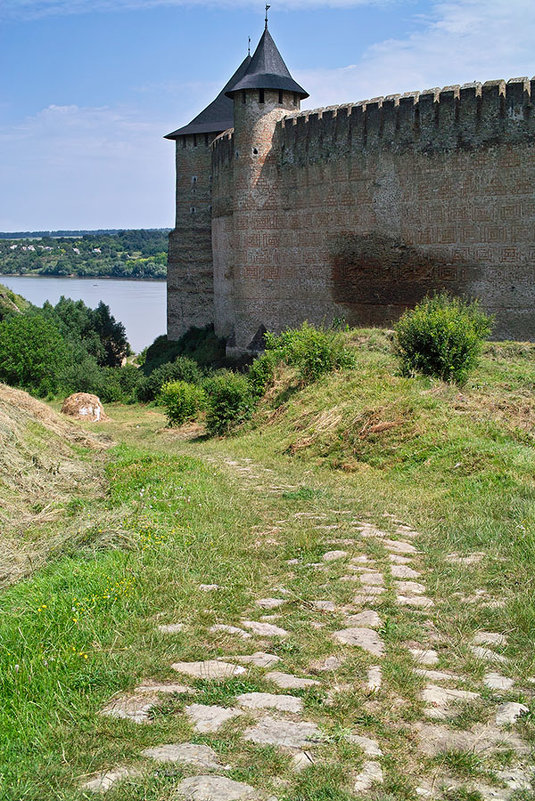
47	466
11	302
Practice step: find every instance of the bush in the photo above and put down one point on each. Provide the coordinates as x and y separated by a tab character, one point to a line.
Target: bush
442	337
199	344
33	353
182	369
261	373
230	402
181	401
314	351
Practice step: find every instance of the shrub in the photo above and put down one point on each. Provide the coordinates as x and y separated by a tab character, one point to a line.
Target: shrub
33	353
442	337
262	372
230	402
181	401
199	344
314	351
182	369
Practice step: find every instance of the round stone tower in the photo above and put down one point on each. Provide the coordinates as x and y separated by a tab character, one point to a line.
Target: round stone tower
262	97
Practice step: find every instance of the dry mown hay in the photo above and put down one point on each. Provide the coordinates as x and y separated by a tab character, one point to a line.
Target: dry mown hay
40	471
84	406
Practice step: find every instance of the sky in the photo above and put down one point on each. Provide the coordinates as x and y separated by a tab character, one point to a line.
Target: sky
88	88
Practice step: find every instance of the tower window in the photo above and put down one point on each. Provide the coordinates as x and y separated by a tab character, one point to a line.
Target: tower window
192	209
280	95
261	98
255	151
193	179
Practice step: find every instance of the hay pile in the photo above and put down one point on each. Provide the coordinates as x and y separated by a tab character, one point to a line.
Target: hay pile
84	406
41	470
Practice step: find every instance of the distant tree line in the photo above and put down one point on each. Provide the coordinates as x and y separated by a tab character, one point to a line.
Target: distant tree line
120	254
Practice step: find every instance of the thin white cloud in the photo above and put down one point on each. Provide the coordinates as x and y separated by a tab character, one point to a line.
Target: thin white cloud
39	8
73	167
460	41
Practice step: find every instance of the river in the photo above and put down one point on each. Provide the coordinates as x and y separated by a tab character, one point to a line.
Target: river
139	305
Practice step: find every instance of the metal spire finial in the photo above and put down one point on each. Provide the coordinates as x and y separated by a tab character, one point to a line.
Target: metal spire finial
249	47
267	9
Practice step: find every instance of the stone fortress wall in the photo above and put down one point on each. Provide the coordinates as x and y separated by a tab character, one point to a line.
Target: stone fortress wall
357	211
190	281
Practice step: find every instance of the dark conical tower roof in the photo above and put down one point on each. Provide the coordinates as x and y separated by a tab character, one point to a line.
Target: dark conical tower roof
267	70
219	115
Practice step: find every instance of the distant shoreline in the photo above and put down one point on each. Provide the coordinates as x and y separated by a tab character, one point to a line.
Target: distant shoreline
73	276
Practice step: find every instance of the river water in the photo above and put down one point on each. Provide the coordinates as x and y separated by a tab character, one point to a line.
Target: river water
139	305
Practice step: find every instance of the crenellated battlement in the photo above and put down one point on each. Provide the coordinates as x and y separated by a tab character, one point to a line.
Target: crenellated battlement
465	116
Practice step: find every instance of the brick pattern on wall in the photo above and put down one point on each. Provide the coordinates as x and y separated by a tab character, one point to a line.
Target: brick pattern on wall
358	211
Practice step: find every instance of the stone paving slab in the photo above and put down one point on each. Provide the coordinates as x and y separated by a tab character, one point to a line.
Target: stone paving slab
289	682
489	638
200	756
436	739
332	556
258	659
495	681
106	780
214	788
370	774
171	628
210	669
425	656
270	603
420	601
283	703
369	746
410	588
364	638
284	733
440	698
209	718
404	572
509	713
399	546
224	629
485	654
375	678
368	618
324	606
264	629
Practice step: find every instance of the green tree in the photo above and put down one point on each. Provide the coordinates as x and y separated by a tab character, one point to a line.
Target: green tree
33	352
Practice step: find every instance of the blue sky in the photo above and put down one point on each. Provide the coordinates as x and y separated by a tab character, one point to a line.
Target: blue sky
89	87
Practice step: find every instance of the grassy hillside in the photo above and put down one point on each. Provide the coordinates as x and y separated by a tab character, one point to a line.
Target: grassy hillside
11	302
47	472
361	462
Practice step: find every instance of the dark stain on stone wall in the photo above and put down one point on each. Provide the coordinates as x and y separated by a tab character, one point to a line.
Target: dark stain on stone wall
375	270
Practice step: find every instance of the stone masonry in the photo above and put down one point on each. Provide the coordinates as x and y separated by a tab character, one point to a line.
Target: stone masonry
355	211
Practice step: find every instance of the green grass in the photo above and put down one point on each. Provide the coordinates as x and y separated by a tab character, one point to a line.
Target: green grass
458	466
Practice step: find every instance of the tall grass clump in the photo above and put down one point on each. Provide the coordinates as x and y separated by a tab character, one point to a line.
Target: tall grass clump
182	401
441	337
314	351
230	402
